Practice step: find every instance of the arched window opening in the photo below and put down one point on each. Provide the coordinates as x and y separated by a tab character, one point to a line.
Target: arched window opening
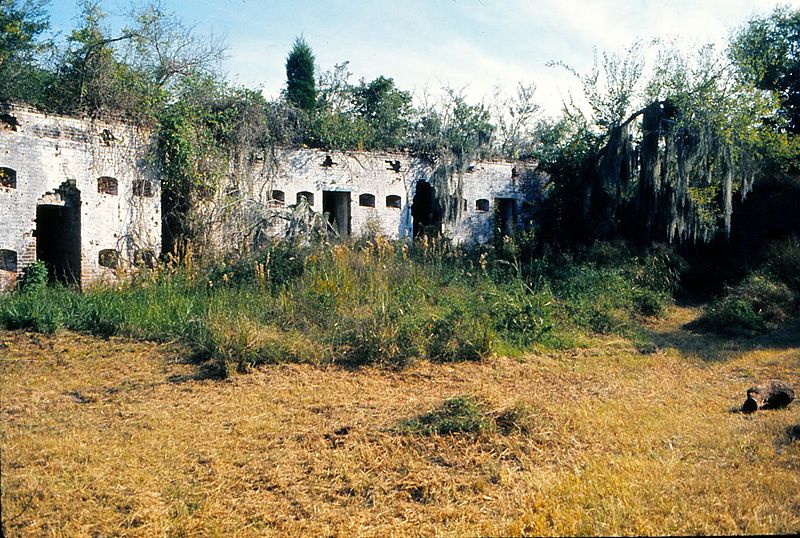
482	205
8	260
394	201
109	258
277	197
107	185
8	178
366	200
143	188
309	196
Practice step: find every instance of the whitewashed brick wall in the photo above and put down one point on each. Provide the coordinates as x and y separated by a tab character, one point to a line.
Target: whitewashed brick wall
48	152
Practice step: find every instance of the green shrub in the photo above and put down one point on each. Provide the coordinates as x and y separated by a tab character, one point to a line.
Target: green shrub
34	277
756	304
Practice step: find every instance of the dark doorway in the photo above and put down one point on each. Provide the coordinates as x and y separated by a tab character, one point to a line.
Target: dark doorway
58	235
426	212
506	215
336	206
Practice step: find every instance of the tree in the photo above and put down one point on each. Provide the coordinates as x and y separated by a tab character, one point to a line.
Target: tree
663	168
131	72
514	117
767	52
21	23
165	48
386	110
300	88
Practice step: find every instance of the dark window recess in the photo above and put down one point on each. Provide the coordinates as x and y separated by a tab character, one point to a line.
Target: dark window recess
8	178
366	200
109	258
482	205
107	137
107	185
144	258
309	196
393	165
8	260
514	172
143	187
327	162
394	201
9	122
464	205
277	197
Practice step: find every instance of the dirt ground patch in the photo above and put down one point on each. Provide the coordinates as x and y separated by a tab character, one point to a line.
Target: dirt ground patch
116	437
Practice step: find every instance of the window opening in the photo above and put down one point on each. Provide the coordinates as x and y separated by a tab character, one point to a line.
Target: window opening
144	258
482	205
277	197
107	185
109	258
309	196
143	188
8	260
366	200
8	178
394	201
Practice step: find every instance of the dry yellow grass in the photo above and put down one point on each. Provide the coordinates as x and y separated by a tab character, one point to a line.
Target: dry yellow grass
113	437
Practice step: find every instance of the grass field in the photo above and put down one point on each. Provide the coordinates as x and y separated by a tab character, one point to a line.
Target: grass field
116	437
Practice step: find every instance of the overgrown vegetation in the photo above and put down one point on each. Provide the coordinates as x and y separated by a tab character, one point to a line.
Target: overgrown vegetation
654	155
371	302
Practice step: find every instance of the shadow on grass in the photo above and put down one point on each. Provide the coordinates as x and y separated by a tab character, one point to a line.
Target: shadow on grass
209	370
690	340
793	433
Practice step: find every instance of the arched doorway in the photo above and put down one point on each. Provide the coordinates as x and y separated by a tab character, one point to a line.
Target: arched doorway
426	213
58	233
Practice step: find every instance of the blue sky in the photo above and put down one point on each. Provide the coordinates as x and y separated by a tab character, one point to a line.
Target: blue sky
424	45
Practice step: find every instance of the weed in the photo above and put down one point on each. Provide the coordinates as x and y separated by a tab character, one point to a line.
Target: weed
461	414
369	302
34	277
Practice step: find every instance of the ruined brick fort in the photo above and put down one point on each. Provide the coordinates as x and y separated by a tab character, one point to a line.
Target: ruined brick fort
84	196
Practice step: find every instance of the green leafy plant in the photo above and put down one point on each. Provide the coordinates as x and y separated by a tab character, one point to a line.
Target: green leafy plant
34	277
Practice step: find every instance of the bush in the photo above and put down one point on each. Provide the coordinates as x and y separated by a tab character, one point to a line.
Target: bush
34	277
756	304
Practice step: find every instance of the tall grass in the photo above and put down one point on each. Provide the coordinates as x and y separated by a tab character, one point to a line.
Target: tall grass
367	302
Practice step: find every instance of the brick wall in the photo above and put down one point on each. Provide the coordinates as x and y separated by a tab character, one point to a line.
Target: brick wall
58	161
381	175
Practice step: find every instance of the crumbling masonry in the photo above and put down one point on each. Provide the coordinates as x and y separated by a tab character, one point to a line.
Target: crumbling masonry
78	194
83	196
